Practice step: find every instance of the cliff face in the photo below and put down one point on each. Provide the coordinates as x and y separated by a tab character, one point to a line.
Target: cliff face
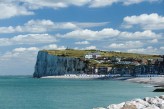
50	65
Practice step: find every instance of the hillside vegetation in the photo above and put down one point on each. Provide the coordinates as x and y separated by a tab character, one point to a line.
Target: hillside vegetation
82	53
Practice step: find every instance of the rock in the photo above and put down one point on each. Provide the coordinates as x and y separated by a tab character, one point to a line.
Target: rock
146	103
161	97
159	90
129	106
139	103
155	101
152	107
161	106
50	65
116	106
146	99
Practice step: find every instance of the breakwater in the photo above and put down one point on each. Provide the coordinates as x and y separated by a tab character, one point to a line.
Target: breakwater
146	103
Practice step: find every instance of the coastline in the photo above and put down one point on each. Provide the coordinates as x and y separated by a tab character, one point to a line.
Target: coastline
156	81
73	76
159	81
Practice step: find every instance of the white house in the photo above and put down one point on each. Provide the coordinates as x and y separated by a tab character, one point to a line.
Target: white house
92	56
117	59
88	56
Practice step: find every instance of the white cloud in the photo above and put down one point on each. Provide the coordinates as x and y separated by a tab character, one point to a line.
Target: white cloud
91	3
90	24
154	41
27	39
90	48
82	43
147	34
9	10
32	26
92	35
148	50
36	26
145	21
130	2
129	44
9	29
26	54
53	3
103	3
53	47
162	48
106	33
78	25
21	49
22	60
20	53
40	26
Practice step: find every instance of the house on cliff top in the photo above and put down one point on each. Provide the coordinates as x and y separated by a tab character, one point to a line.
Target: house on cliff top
92	55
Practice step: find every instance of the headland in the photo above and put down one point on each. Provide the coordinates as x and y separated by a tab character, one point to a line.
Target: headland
96	62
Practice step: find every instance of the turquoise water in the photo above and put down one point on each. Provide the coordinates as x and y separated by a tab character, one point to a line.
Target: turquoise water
28	93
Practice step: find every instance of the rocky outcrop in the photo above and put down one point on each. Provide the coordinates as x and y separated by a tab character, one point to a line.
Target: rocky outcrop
159	89
50	65
146	103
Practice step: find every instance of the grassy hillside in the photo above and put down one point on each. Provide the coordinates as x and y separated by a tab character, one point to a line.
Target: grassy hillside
81	54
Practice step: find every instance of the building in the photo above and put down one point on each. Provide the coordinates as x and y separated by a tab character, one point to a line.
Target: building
115	59
136	63
144	62
92	55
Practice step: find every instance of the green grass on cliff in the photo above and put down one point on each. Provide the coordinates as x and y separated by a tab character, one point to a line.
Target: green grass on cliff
82	53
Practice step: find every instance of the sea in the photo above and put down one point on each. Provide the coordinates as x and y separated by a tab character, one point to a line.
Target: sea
25	92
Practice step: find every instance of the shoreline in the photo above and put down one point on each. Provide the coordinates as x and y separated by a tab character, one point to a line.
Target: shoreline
158	81
74	76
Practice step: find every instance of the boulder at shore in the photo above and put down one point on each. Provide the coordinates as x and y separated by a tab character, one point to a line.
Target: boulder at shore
159	90
146	103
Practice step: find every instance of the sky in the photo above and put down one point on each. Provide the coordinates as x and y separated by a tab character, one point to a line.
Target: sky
27	26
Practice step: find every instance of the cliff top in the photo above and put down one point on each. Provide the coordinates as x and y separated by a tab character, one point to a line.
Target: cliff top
82	53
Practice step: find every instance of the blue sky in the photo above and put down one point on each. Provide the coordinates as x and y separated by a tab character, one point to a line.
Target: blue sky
27	26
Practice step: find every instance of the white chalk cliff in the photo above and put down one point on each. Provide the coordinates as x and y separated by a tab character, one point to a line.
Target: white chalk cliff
50	65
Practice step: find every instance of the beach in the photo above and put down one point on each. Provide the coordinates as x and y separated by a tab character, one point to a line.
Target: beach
74	76
159	80
148	80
